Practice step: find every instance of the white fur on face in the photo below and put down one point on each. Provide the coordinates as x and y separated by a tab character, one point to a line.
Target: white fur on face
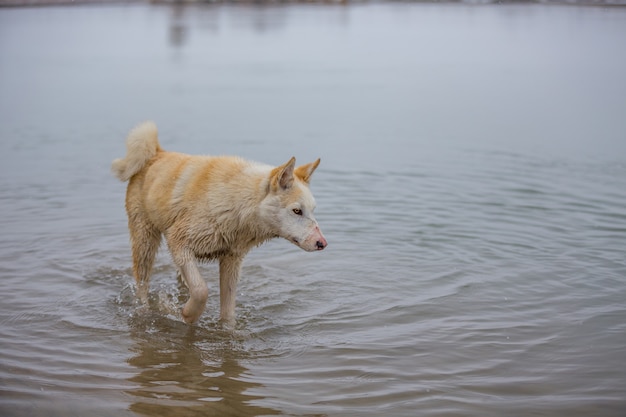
290	212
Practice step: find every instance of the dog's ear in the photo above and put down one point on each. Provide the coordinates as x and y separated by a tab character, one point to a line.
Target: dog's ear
304	172
281	178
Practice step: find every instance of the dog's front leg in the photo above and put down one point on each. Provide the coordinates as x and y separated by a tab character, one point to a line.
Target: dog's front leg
198	290
230	267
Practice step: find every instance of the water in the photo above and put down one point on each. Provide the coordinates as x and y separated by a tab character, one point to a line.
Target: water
472	190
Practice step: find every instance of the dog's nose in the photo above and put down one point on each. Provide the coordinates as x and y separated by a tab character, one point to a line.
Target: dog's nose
320	245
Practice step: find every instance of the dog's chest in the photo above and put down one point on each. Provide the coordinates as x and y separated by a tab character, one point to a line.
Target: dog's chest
212	244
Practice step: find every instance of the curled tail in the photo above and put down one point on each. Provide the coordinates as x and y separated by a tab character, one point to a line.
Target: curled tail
142	144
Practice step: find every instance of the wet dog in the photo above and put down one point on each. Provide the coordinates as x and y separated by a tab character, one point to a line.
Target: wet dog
210	208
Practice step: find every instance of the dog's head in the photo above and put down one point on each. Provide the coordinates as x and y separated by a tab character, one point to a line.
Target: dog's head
288	206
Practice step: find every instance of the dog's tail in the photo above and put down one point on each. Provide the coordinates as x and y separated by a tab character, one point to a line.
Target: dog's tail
142	144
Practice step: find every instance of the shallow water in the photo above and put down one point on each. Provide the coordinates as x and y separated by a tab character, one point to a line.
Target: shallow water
472	190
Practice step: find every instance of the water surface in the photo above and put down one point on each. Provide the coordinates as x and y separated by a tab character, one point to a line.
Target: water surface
472	190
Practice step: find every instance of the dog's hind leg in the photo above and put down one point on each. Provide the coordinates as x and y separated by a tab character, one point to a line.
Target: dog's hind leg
145	240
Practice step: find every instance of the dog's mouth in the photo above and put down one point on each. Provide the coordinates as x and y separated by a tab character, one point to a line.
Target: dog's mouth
319	245
297	242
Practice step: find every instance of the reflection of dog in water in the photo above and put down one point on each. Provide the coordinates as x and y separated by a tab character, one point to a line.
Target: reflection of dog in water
184	371
210	208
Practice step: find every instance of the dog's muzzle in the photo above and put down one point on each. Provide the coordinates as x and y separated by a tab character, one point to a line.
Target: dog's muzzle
314	241
321	243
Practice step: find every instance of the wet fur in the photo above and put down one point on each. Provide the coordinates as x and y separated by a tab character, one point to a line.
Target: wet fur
209	208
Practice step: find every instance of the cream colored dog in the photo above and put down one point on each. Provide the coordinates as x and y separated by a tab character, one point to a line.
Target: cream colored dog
210	208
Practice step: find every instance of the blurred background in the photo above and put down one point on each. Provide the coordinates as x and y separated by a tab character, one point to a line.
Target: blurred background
471	190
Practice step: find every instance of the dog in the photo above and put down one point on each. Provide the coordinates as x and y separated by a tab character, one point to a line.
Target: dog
210	208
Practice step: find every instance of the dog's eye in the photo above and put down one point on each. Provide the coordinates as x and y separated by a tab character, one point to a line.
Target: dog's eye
297	211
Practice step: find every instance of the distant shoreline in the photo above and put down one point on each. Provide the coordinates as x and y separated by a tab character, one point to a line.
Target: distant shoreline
35	3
